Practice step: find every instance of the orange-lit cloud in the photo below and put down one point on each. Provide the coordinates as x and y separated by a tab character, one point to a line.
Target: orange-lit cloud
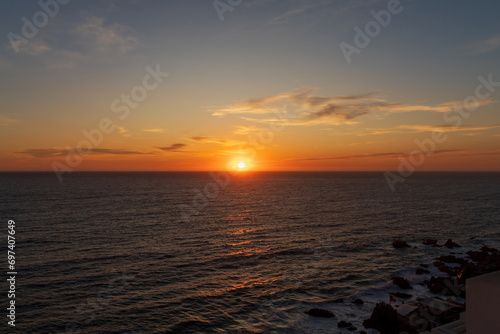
314	109
374	155
172	148
426	128
57	152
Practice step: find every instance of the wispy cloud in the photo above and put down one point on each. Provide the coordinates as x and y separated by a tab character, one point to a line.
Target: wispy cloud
246	130
154	130
34	48
376	155
58	152
105	38
357	156
91	38
172	148
314	109
215	141
65	60
311	8
487	45
4	120
121	130
446	128
208	140
426	128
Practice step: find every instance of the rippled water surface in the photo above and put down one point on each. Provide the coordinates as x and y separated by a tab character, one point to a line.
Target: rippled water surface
111	252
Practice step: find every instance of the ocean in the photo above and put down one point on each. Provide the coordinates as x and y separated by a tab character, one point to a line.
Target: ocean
114	252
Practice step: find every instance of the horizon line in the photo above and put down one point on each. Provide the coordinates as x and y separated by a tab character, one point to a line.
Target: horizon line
251	171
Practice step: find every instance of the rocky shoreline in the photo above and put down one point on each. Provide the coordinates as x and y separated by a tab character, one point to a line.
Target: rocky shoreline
426	313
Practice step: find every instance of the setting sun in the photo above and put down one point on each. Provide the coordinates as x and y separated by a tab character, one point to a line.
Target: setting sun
242	165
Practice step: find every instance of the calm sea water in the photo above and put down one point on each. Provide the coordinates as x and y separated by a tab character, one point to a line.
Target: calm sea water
110	252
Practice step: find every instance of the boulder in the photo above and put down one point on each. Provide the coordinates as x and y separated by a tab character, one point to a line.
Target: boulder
401	295
441	285
400	244
344	324
446	269
358	301
487	261
401	282
319	313
450	244
384	319
421	271
453	259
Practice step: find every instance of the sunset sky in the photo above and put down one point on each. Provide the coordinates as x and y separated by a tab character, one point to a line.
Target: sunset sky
268	84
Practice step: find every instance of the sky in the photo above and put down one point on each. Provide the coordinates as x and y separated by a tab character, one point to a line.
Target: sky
325	85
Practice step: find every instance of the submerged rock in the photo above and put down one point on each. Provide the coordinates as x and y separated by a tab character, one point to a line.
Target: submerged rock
358	301
446	269
430	242
316	312
401	282
421	271
401	295
384	319
344	324
451	244
453	259
400	244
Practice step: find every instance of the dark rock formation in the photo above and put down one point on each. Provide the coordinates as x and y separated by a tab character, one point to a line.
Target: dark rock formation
400	244
358	301
401	295
401	282
421	271
445	269
430	242
451	244
384	319
487	261
445	286
316	312
344	324
453	259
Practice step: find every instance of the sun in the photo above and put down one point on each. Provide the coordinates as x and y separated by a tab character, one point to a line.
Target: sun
241	165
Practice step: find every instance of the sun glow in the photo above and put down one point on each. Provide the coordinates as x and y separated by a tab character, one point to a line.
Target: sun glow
241	165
